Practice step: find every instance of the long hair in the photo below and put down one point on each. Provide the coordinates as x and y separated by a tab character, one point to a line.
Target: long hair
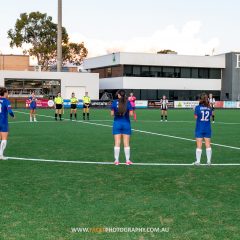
122	102
204	100
3	90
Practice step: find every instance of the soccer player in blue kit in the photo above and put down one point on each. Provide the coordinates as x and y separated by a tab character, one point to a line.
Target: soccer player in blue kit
33	106
5	109
203	113
121	110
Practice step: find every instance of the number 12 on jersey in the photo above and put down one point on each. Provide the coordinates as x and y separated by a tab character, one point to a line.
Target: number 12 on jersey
205	116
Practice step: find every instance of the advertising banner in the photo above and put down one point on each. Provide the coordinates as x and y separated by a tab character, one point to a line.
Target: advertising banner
229	104
67	103
238	104
185	104
101	104
157	104
219	104
41	103
141	104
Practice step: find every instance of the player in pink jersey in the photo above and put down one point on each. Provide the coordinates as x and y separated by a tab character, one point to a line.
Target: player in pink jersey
132	100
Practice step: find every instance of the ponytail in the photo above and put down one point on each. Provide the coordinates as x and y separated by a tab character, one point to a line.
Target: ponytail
204	100
122	103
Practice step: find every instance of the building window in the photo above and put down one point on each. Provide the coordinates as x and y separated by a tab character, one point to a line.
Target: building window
168	72
24	87
109	72
185	72
128	70
203	73
145	71
156	71
136	71
215	73
153	94
194	73
177	72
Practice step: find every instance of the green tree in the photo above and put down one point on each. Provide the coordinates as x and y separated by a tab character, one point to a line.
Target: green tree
37	34
74	53
71	53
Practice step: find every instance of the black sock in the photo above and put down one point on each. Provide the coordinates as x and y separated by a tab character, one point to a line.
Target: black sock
55	116
213	117
71	116
83	116
75	116
88	116
165	117
60	116
161	117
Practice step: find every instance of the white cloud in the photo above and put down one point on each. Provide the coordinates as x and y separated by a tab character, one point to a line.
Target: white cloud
186	40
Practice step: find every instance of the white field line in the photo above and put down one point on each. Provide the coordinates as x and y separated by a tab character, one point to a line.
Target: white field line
111	163
141	121
16	122
141	131
169	121
147	121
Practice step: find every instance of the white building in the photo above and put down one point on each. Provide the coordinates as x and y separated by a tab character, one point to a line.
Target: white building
152	75
48	84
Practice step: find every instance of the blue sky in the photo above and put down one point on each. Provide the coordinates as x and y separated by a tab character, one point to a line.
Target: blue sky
187	26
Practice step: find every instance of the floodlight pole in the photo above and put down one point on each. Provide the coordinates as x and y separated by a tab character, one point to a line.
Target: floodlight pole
59	37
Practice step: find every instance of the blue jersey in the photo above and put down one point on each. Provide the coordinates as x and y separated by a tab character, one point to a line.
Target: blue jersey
203	123
121	124
33	102
123	118
5	109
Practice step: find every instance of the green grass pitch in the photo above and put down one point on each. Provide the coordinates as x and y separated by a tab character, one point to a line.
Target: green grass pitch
45	200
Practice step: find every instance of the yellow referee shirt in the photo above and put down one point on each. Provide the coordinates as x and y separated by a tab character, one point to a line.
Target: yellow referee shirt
74	100
86	100
58	100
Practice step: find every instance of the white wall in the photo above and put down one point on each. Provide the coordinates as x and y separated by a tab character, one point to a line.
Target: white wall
160	83
172	60
111	83
102	61
79	91
88	81
150	59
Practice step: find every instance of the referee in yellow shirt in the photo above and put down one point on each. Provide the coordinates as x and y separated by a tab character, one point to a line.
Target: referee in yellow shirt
74	102
86	106
58	101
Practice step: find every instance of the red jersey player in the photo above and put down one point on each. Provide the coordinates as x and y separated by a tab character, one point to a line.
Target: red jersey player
132	100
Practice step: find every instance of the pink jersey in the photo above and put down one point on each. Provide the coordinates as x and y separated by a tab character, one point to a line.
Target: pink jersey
132	100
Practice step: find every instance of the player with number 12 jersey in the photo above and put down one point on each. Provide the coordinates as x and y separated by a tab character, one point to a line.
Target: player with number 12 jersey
203	124
203	113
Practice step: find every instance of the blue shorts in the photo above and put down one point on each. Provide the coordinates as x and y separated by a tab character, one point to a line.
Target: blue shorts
120	127
203	134
32	107
3	127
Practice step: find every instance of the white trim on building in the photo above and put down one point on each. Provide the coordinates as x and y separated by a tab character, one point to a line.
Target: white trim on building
160	83
149	59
